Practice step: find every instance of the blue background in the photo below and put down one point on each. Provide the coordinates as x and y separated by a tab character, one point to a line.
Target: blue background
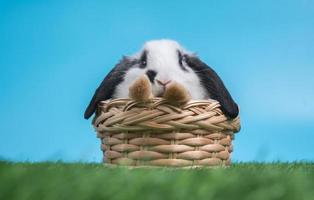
53	54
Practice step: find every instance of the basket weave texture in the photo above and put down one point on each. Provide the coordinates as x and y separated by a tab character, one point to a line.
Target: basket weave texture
155	133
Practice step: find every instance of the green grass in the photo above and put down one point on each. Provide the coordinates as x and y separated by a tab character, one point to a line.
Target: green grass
94	181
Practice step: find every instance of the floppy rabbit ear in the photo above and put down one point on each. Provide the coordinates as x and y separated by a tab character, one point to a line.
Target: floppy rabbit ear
108	86
213	85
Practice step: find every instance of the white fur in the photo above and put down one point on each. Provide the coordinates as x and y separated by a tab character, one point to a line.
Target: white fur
162	57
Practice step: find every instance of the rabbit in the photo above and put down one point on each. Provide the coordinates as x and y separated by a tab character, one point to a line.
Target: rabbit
174	94
165	63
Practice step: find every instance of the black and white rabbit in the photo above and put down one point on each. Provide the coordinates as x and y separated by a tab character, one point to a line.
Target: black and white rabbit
164	62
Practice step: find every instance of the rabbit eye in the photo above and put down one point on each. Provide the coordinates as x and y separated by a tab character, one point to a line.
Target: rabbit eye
181	59
143	60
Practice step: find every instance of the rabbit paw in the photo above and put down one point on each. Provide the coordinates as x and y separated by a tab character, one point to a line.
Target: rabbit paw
141	89
176	94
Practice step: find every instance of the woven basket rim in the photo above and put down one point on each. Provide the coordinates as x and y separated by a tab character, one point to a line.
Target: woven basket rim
221	122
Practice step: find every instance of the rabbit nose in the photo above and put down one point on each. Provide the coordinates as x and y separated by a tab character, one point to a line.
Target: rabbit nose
163	83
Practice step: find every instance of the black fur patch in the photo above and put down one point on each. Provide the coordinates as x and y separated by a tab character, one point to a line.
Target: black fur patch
107	87
214	86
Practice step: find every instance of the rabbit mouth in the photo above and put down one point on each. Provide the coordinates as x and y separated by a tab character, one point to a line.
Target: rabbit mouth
161	92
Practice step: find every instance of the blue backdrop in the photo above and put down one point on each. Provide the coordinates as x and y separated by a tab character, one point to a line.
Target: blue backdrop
53	54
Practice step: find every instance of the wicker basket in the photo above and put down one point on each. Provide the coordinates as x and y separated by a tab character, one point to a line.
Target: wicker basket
158	134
